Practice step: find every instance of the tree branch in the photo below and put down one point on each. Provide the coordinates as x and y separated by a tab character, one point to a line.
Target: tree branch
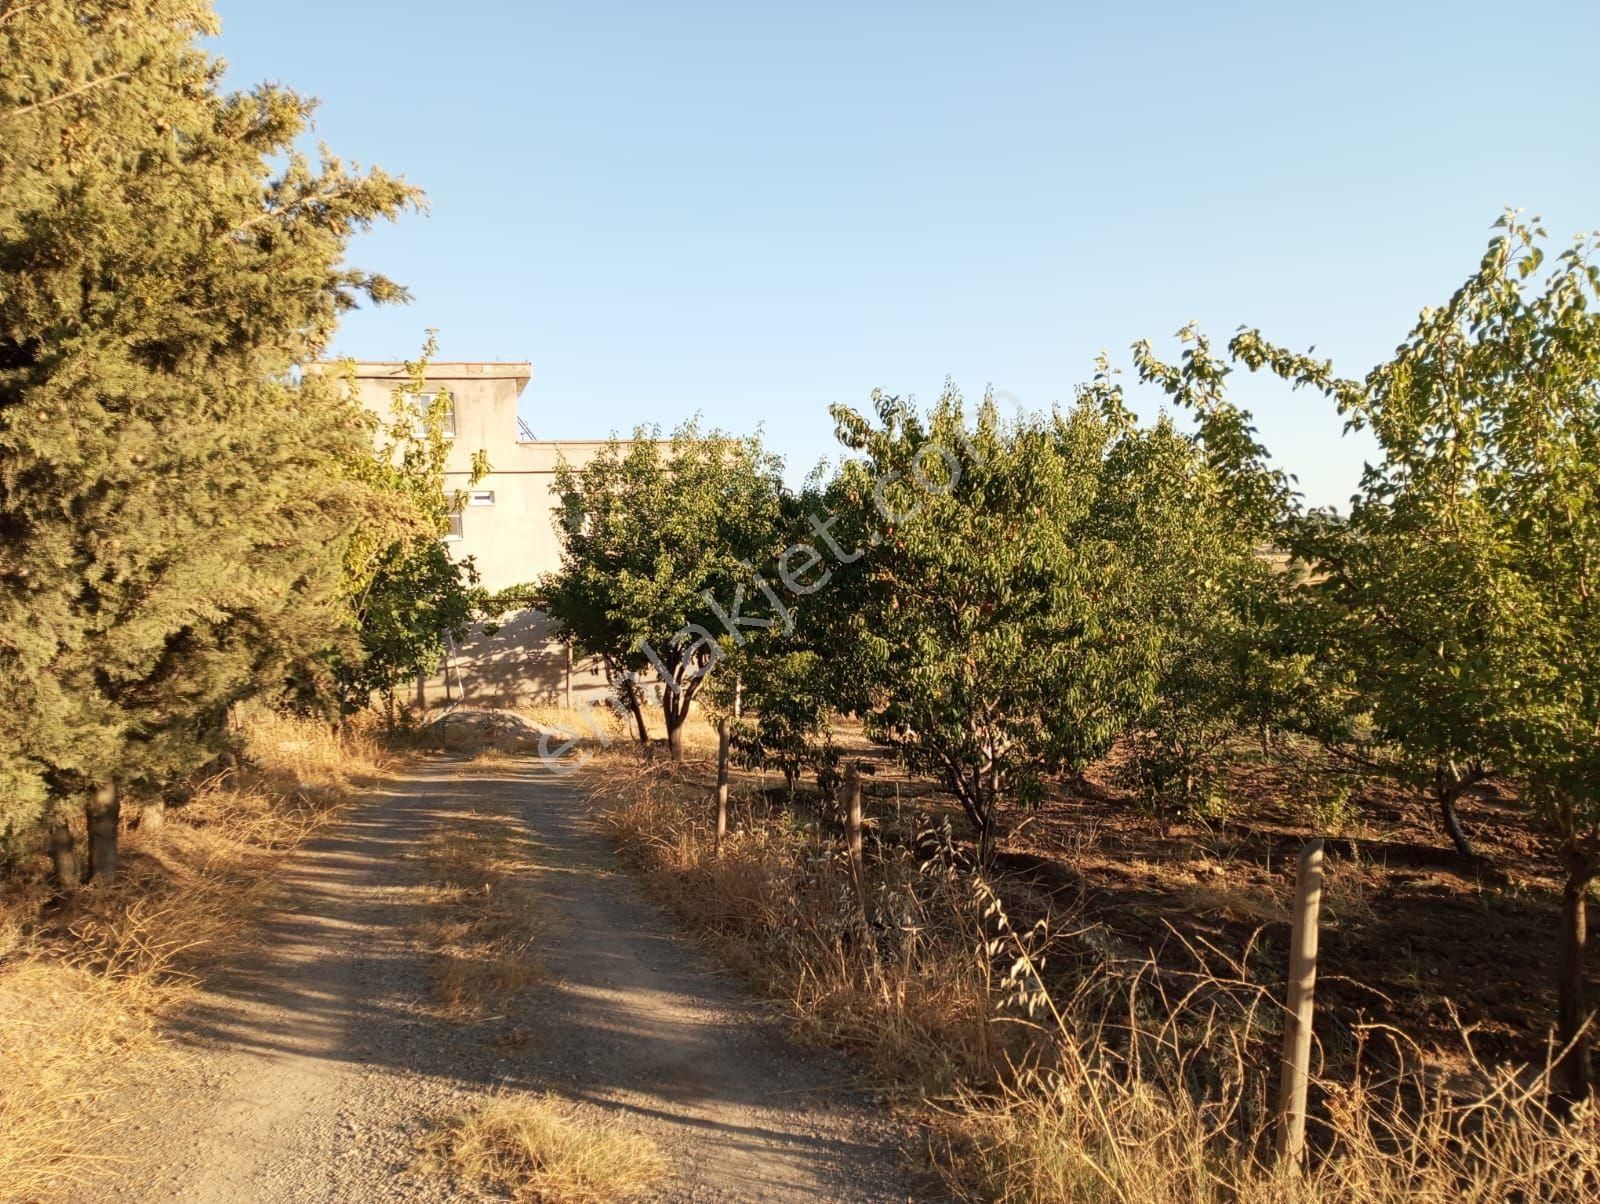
63	96
18	10
299	202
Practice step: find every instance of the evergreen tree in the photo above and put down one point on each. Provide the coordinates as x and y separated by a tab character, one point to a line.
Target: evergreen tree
172	527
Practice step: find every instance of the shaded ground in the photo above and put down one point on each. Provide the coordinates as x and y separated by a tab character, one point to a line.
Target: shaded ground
320	1060
1414	936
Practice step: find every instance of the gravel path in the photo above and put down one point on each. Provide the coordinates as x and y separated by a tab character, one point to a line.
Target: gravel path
319	1061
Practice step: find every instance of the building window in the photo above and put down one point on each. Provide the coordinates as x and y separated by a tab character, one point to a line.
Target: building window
457	529
481	497
424	403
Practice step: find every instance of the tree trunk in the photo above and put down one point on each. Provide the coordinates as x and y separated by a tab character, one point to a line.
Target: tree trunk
980	811
986	835
63	854
1452	822
641	732
674	732
153	816
724	741
985	806
1449	782
1574	1075
104	811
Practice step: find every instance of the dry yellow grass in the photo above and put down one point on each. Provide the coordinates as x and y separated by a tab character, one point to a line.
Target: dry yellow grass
1142	1085
1093	1129
599	728
69	1038
778	906
585	723
539	1148
83	990
483	924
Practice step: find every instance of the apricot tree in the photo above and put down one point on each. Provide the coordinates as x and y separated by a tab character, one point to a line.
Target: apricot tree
1465	578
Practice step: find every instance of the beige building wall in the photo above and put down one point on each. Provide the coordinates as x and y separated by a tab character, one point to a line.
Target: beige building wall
507	529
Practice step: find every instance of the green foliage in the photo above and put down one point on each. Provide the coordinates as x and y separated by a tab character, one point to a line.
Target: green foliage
1233	660
787	710
172	526
407	596
1461	585
660	545
1013	610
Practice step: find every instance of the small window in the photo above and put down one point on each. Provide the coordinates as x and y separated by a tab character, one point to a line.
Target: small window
481	497
424	403
457	530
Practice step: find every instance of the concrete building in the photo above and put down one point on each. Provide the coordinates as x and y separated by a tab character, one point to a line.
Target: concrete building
507	528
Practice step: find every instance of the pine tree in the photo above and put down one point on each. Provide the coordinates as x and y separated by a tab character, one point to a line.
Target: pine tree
171	524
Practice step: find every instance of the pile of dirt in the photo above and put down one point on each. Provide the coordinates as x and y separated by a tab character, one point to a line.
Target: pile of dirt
472	731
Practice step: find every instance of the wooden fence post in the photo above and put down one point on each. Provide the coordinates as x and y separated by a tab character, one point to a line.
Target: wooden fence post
852	828
724	740
1299	1004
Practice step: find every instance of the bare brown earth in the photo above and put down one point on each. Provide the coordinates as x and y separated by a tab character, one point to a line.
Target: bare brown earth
1440	948
319	1060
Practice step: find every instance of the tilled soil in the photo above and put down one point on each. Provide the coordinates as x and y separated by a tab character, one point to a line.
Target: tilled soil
320	1060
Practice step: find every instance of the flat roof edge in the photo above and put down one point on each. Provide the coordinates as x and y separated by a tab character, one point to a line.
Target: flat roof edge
438	370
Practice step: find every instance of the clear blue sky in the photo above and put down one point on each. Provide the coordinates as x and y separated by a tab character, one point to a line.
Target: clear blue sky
752	211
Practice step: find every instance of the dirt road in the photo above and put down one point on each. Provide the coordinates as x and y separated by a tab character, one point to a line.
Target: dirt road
320	1062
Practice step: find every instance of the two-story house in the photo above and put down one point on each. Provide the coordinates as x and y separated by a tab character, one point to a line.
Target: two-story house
508	529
